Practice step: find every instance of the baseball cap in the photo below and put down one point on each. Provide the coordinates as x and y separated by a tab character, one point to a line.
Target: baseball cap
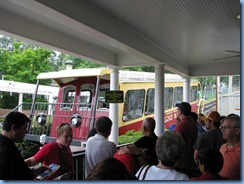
202	117
214	116
184	107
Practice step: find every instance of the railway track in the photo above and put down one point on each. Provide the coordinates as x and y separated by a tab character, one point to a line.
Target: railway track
209	107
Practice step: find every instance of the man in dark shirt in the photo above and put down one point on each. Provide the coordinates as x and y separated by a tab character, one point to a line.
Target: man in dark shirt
188	130
12	165
143	149
213	138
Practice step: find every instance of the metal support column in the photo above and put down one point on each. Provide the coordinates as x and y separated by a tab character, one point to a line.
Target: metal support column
113	107
20	102
187	90
159	99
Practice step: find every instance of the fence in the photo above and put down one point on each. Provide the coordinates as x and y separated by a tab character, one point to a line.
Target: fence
229	103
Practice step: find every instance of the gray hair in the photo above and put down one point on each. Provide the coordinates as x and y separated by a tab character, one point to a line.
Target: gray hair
169	148
235	120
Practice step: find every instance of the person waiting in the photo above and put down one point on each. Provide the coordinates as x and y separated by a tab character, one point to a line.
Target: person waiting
201	121
212	138
169	148
57	153
12	165
172	126
110	169
142	151
188	130
194	117
231	150
98	147
210	162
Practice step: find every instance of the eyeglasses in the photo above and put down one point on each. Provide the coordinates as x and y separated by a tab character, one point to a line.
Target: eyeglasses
227	127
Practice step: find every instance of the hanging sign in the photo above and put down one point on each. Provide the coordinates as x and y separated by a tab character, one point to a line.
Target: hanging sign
114	96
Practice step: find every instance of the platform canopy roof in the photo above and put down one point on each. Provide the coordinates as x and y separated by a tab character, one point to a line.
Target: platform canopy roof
191	37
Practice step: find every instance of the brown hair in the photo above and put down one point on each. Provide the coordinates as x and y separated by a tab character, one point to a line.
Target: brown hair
63	127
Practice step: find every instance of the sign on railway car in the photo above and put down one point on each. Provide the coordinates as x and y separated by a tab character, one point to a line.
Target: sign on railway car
114	96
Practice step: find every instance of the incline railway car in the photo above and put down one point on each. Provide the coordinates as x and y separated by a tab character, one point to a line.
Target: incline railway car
81	100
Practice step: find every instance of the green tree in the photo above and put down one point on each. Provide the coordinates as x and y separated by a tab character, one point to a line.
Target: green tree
8	100
57	62
23	64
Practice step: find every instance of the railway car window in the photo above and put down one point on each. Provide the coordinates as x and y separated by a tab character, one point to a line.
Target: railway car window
149	109
68	98
85	97
85	100
102	105
168	98
193	93
178	95
134	104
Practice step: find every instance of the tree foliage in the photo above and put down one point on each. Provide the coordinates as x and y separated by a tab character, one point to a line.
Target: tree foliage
23	63
57	62
210	81
8	100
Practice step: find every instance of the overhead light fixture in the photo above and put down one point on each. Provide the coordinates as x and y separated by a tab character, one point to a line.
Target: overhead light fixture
238	16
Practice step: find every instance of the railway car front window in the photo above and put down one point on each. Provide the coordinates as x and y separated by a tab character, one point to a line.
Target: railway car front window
102	105
68	98
85	100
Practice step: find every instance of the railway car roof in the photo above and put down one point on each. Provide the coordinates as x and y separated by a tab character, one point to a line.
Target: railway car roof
65	76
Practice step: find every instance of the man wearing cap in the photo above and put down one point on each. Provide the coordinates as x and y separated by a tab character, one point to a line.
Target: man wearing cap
201	121
212	138
188	130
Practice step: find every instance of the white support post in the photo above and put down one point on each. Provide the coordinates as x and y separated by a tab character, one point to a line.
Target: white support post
50	101
230	84
20	102
159	99
187	90
113	107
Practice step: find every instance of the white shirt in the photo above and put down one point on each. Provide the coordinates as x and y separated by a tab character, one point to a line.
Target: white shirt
98	148
155	173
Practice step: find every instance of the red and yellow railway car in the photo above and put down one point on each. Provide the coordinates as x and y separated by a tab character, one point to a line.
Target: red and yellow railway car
81	100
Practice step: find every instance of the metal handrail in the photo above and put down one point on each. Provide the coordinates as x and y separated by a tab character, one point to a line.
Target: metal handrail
17	107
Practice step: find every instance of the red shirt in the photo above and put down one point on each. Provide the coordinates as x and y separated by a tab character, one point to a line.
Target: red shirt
52	153
188	130
231	168
205	177
129	161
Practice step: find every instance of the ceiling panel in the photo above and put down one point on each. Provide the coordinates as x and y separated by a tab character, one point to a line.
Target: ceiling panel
184	35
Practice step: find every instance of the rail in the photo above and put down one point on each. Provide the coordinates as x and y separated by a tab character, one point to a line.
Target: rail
209	106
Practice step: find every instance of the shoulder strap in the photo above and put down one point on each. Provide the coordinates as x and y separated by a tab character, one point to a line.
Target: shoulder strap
145	173
142	168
